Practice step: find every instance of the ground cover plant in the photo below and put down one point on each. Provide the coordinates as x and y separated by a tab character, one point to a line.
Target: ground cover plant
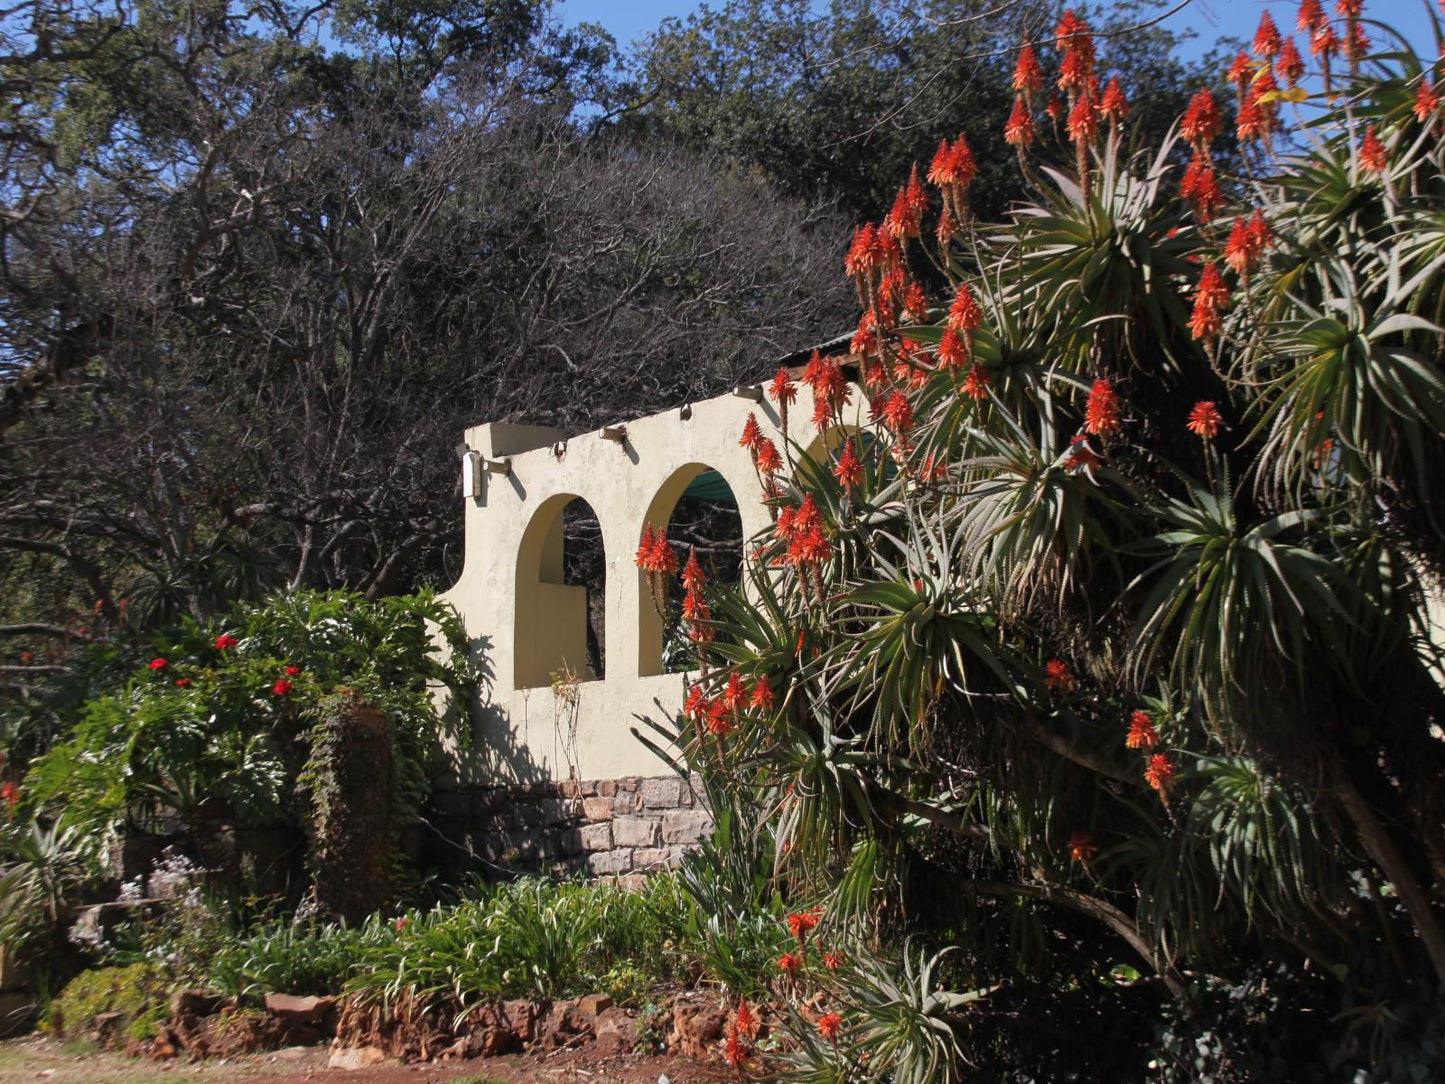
1092	684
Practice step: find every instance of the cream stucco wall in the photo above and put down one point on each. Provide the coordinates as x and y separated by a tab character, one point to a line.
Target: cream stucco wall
525	622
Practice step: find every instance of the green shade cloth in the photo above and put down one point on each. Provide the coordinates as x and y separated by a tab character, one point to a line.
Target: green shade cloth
710	486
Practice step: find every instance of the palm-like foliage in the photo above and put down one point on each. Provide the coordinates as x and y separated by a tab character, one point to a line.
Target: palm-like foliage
1069	523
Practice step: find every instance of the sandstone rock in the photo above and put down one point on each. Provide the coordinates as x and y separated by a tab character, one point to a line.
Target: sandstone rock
607	787
616	1033
661	793
635	832
596	837
652	858
685	825
358	1057
311	1011
605	862
626	804
597	809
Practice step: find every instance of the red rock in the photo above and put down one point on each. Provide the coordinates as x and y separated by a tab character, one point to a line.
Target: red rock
616	1033
594	1005
300	1010
696	1027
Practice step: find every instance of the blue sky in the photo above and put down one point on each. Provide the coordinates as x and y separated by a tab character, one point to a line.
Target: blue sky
1211	19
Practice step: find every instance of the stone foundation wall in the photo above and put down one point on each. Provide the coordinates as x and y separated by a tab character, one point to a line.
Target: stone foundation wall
607	827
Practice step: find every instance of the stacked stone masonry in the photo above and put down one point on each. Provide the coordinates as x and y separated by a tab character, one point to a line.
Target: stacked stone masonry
612	827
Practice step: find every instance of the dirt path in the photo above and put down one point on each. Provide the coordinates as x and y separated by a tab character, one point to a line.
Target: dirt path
45	1060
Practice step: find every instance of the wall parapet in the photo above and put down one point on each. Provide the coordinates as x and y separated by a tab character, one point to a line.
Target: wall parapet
529	625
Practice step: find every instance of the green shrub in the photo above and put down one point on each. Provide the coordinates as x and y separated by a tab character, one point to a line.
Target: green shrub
140	992
286	958
531	938
215	722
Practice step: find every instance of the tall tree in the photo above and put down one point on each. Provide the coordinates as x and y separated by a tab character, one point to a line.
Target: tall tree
255	287
842	102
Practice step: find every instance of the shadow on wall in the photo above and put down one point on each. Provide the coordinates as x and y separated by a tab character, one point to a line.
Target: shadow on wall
498	750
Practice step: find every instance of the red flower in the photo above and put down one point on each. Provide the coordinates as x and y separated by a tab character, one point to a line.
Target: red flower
282	687
1242	70
292	671
953	164
1260	235
10	793
224	641
766	457
1141	732
762	697
833	960
848	469
1081	847
734	695
1426	100
692	574
159	664
1251	123
1210	297
1114	107
718	724
752	433
964	314
1055	108
1101	416
906	217
1057	676
1160	772
1290	64
1266	39
1373	155
862	253
790	963
782	389
696	703
953	350
1081	455
1028	76
183	683
975	385
1019	131
898	413
1311	16
746	1021
1084	119
814	547
402	923
645	548
1357	42
1076	72
1205	420
830	1026
802	923
1324	42
1350	9
736	1053
1072	34
1200	187
1239	250
1201	121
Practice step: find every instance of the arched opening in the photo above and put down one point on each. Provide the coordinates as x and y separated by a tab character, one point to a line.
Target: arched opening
698	509
561	592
